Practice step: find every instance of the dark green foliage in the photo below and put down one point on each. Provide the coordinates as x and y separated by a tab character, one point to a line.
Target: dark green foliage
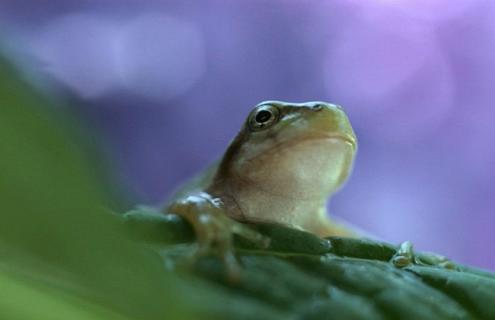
61	255
301	276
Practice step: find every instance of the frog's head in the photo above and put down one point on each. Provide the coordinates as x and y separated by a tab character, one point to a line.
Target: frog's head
302	150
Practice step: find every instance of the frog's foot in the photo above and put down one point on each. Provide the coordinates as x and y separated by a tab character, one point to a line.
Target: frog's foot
432	259
215	230
405	256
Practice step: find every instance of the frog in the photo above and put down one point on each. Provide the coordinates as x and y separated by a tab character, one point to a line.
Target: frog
284	164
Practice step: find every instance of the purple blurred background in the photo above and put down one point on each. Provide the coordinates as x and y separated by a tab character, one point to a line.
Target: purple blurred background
168	84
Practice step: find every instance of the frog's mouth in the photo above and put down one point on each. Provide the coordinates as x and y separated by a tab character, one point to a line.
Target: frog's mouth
347	139
308	138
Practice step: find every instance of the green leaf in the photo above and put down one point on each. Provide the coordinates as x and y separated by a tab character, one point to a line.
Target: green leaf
56	242
301	276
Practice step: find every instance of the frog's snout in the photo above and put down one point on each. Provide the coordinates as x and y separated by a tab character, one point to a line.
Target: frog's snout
331	119
319	105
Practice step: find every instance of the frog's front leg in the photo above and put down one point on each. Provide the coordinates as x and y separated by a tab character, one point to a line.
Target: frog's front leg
214	229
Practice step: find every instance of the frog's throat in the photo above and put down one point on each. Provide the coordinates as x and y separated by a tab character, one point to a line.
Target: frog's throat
351	141
292	175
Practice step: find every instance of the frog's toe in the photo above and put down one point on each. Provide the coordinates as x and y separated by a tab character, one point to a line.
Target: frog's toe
404	255
215	237
213	242
224	251
219	230
246	232
432	259
401	261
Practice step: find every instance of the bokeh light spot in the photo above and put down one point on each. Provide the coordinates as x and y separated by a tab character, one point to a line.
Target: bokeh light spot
160	57
78	50
151	55
397	82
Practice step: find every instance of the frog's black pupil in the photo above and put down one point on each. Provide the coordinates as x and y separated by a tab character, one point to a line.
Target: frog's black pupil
263	116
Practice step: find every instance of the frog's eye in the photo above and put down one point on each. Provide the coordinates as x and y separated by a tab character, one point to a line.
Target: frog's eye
263	117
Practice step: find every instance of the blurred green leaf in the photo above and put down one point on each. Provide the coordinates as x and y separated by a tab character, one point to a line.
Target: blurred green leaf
52	225
46	303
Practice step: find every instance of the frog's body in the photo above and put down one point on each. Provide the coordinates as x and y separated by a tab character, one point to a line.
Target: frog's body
282	166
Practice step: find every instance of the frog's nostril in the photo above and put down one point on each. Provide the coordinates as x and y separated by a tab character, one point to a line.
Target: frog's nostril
317	107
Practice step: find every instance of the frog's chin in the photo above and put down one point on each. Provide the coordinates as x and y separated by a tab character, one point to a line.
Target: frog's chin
309	168
272	149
